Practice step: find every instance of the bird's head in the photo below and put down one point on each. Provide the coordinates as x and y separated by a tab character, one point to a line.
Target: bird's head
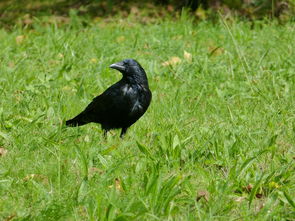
130	68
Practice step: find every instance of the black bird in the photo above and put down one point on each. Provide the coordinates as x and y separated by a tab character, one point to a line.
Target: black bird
122	104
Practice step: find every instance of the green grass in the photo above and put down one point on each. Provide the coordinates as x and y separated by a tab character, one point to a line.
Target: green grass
221	125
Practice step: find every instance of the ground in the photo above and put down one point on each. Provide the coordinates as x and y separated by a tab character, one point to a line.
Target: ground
217	142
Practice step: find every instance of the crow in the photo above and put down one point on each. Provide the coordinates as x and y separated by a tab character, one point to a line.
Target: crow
122	104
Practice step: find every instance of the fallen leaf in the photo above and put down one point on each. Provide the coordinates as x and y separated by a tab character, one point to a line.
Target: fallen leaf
82	211
274	185
203	194
87	139
120	39
248	188
93	170
27	19
118	184
60	55
39	177
187	56
259	195
201	13
170	8
240	199
216	51
8	218
11	64
259	207
30	176
53	62
19	39
69	89
93	60
54	19
3	151
172	61
177	37
134	10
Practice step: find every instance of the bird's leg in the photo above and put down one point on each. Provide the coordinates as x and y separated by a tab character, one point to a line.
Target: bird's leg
105	134
123	131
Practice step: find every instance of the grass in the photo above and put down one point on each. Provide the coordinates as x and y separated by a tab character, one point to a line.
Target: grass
217	142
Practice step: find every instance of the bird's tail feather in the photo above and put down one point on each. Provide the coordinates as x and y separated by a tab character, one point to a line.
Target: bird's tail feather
76	121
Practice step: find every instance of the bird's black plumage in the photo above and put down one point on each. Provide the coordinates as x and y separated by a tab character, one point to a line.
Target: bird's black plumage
122	104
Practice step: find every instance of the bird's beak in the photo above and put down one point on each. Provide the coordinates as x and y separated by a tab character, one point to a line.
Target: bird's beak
118	66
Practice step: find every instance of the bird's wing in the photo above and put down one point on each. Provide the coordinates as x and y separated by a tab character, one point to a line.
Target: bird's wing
109	103
140	102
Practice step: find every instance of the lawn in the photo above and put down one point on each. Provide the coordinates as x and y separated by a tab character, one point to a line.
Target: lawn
217	142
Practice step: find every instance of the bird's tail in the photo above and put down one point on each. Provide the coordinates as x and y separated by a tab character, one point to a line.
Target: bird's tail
76	121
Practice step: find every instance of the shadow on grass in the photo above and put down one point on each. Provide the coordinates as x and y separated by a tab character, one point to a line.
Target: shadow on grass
12	11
